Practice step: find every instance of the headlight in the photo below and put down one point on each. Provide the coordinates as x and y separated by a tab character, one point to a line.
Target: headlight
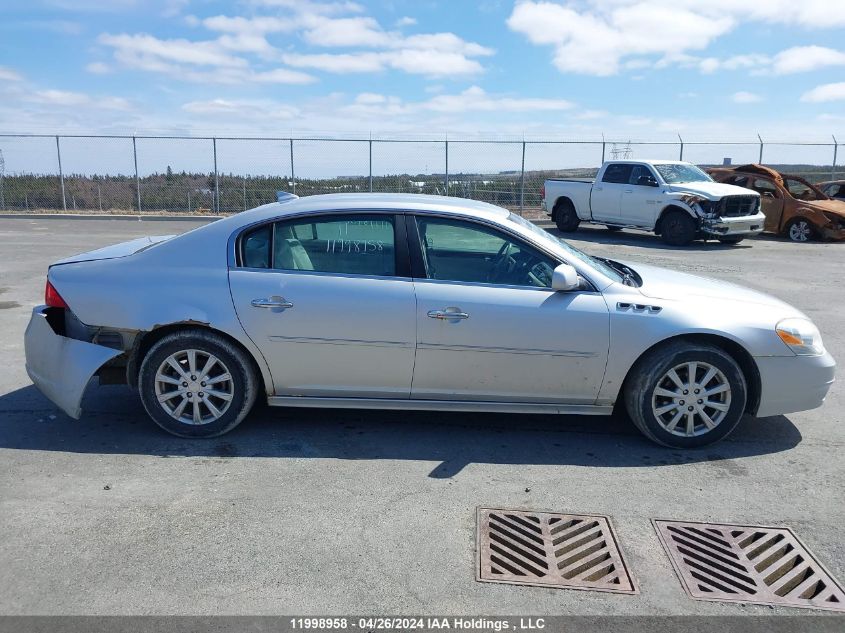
704	204
801	336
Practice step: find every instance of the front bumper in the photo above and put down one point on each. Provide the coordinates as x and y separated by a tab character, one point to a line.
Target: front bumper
793	383
743	225
61	367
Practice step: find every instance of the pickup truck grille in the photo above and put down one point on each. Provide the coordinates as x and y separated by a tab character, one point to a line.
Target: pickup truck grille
737	206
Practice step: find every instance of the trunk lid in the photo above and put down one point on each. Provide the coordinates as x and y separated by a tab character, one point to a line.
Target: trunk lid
123	249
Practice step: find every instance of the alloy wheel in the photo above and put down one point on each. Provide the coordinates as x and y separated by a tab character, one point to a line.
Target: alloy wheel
194	387
691	399
800	231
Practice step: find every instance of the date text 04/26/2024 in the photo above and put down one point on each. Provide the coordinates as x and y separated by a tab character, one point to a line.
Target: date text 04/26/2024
430	623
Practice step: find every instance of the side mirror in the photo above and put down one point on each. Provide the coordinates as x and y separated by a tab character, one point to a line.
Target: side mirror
646	181
565	278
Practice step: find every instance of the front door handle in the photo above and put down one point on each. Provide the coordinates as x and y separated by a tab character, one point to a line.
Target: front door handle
272	302
629	191
448	314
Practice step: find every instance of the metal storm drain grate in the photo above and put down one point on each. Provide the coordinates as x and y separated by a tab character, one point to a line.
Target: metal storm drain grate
545	549
748	563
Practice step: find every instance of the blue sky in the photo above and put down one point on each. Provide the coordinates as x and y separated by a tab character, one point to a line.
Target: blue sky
713	70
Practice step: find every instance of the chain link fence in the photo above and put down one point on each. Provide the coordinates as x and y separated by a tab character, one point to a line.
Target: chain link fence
227	175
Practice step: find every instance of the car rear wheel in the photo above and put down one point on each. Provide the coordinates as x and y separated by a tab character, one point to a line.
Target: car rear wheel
686	395
678	228
197	384
565	216
800	230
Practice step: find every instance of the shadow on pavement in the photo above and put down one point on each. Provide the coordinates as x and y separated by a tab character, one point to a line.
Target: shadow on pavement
114	422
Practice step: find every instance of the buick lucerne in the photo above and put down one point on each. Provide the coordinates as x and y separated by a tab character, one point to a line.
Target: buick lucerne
414	302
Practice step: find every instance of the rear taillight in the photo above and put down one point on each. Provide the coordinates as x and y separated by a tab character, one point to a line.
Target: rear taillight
543	192
52	298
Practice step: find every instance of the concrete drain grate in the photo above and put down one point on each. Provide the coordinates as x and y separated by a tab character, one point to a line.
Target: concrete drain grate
748	563
546	549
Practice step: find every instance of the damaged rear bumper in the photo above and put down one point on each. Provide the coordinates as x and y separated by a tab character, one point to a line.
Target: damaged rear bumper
743	225
59	366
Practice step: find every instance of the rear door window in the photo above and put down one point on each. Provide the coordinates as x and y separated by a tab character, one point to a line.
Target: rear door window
355	244
619	173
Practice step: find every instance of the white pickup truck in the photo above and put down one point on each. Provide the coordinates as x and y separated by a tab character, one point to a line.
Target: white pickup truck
676	200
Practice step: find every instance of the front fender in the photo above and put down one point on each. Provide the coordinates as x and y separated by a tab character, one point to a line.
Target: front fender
59	366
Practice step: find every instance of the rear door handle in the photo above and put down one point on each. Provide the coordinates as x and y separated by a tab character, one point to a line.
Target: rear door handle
272	302
629	191
448	314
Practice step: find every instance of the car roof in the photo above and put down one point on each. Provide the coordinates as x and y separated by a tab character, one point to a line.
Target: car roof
375	201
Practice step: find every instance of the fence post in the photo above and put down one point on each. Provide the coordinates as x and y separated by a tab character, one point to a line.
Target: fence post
522	182
833	167
371	165
61	173
244	194
292	176
446	176
216	204
760	160
603	144
189	199
137	179
99	198
681	157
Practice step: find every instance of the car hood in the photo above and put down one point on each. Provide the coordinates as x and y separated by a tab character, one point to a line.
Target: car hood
660	283
122	249
830	206
711	190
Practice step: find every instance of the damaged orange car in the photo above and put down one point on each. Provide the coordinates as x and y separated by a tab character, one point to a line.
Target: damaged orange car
793	207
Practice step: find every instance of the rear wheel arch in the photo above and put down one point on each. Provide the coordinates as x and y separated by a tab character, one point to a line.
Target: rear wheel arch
145	342
736	351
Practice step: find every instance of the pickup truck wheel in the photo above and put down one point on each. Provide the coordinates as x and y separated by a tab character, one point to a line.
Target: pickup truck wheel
730	240
194	383
678	228
565	216
686	395
799	230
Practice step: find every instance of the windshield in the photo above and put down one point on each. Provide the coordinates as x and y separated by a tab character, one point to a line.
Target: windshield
593	262
673	173
800	189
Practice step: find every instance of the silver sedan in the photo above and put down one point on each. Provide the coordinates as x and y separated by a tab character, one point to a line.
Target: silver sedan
414	302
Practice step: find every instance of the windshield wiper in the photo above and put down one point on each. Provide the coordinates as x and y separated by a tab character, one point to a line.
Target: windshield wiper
628	277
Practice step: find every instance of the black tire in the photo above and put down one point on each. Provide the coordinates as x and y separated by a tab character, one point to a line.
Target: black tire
800	230
565	216
612	228
678	228
242	388
649	374
731	240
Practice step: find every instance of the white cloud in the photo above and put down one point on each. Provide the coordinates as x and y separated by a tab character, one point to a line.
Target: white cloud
745	97
405	21
473	99
228	108
825	92
340	63
596	41
98	68
63	98
7	74
151	53
806	58
597	37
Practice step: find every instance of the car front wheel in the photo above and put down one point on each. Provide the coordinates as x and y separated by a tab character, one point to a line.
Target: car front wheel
686	395
801	230
197	384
